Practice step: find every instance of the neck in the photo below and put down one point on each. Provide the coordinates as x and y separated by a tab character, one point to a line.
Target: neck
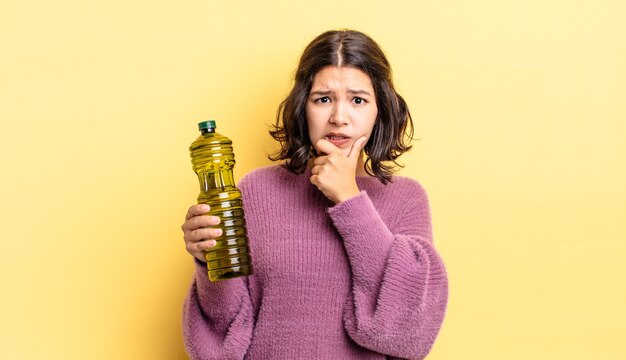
360	167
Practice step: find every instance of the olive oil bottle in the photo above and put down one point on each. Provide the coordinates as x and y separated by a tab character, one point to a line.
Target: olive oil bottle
213	160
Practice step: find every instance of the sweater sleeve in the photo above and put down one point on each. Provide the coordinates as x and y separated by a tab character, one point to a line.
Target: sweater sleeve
399	283
217	317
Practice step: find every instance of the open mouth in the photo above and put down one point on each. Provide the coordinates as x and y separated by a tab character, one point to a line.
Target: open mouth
338	140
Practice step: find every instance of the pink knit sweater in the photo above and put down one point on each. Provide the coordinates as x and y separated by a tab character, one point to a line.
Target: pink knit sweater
356	280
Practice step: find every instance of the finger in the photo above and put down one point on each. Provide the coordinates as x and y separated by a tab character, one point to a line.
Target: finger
198	209
202	234
357	146
200	221
326	147
317	170
314	179
320	160
198	247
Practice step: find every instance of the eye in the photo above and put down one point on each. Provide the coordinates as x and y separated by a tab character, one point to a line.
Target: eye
358	100
323	99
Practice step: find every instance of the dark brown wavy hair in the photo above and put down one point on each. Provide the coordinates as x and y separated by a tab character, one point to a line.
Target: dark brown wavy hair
393	128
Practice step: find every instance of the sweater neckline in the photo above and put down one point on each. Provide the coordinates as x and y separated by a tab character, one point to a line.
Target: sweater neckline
361	180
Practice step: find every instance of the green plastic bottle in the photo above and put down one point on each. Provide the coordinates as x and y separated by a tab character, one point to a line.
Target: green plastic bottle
213	160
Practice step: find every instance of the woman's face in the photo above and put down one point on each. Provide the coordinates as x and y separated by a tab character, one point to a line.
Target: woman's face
341	107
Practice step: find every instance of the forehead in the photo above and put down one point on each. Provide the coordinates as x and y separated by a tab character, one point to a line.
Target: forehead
333	77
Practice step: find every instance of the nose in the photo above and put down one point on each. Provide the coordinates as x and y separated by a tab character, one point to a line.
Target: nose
339	116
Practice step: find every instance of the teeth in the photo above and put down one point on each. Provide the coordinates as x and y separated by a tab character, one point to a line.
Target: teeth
336	137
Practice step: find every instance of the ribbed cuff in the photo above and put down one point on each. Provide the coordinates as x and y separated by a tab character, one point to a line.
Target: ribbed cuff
358	218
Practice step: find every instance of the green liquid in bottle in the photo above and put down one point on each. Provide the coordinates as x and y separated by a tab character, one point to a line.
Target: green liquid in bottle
213	160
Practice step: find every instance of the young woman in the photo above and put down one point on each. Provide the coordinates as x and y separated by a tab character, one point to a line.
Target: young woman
344	263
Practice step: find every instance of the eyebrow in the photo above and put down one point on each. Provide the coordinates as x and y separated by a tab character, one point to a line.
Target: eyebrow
351	91
320	92
358	91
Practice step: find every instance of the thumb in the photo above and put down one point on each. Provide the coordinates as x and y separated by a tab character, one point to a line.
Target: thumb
357	146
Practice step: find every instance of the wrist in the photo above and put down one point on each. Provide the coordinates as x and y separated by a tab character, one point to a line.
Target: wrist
347	196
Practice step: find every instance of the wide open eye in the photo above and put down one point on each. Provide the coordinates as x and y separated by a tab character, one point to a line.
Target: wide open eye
359	100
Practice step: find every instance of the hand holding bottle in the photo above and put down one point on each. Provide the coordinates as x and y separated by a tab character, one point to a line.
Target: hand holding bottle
198	233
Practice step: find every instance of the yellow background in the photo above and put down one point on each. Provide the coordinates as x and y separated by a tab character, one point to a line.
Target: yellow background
520	107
